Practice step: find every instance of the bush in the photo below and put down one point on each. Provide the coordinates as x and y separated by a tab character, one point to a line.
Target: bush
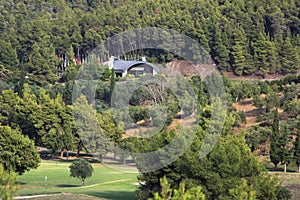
284	194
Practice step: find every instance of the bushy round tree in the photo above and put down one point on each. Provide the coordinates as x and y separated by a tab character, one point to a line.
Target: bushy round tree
81	169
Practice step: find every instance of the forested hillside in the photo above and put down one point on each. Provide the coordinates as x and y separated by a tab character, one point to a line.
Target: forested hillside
244	37
44	42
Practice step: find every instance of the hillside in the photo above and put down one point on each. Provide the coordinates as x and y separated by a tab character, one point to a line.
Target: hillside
40	39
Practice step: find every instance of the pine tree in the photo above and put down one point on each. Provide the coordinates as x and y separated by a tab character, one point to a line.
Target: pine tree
220	51
238	58
260	53
271	58
42	65
288	57
8	56
3	25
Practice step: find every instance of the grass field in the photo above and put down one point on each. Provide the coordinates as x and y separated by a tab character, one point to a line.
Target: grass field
106	183
290	180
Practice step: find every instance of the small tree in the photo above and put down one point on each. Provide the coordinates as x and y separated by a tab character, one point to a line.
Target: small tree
81	169
177	194
7	184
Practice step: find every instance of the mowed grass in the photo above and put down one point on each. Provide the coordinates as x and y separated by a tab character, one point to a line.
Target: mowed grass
106	183
290	180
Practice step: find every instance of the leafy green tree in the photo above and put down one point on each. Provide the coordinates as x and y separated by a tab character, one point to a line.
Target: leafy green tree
81	169
219	174
8	102
271	101
55	123
18	153
94	133
257	135
27	111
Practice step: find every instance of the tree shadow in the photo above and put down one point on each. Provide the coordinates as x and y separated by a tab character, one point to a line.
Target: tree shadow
256	112
21	183
114	195
279	169
246	102
67	185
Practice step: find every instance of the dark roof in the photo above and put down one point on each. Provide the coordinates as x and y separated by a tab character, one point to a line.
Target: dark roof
123	65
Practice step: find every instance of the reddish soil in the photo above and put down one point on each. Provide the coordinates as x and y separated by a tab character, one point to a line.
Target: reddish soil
251	113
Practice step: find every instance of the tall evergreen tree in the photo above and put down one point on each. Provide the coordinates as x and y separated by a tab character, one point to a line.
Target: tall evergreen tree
285	150
260	53
275	140
297	147
272	60
288	57
42	63
220	51
238	58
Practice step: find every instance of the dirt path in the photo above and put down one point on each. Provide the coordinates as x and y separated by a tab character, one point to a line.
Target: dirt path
35	196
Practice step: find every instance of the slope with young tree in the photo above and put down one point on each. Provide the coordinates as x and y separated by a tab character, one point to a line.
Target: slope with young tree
81	169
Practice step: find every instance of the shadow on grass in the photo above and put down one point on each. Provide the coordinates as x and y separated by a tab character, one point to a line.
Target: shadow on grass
21	183
119	162
114	195
279	169
67	185
58	160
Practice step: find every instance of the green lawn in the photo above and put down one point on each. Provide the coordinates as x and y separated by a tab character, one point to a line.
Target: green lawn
290	180
106	183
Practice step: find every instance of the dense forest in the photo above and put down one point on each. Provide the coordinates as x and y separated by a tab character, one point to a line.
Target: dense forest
44	43
244	37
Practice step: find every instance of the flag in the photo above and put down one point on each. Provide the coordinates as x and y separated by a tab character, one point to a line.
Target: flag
86	59
74	60
65	62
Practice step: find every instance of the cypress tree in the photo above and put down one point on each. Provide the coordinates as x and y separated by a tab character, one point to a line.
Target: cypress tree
285	154
297	147
275	140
